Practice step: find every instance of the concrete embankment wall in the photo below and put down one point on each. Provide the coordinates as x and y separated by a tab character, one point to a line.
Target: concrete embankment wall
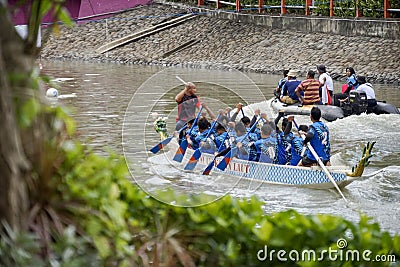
225	40
389	29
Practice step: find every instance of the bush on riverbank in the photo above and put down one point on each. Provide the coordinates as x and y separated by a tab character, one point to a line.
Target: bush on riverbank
89	214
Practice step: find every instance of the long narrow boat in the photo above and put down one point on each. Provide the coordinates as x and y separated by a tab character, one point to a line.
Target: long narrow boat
313	177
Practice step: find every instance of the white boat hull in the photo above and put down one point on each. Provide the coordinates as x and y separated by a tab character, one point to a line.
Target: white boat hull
270	173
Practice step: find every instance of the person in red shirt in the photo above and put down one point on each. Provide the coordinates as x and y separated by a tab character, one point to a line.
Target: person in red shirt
310	87
187	103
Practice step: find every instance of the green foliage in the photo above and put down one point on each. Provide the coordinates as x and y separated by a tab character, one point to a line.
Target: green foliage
347	8
28	112
371	8
18	249
230	232
296	3
69	249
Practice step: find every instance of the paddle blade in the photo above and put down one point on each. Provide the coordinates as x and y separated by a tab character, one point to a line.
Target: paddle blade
209	167
193	160
160	145
181	151
225	161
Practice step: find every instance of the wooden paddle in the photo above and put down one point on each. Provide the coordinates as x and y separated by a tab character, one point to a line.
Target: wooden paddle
320	163
181	80
165	142
197	153
209	167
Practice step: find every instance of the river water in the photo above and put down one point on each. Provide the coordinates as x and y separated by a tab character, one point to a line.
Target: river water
115	106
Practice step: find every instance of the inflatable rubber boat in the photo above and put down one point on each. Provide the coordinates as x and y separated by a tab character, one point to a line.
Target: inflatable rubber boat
356	105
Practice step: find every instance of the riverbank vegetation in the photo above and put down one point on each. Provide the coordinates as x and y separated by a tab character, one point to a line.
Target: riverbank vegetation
85	211
63	205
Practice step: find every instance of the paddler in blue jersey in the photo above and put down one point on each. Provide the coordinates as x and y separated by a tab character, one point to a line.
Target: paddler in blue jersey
266	147
283	140
318	136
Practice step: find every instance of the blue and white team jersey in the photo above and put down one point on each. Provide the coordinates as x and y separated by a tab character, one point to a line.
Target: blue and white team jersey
296	149
320	141
257	133
201	136
221	141
266	149
245	152
207	144
284	154
193	136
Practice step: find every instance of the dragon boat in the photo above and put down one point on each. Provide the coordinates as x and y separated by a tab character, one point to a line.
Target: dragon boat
308	177
356	106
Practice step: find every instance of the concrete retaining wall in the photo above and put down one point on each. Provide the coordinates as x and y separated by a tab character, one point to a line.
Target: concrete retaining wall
389	29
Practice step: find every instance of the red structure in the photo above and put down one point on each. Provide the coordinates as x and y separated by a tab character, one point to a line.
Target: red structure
387	10
283	7
386	6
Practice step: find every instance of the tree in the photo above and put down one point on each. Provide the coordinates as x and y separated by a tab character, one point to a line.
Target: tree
19	149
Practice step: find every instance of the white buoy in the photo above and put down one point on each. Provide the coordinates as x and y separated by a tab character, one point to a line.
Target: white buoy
52	92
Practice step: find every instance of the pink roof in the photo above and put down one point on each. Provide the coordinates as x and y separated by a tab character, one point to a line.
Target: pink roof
77	8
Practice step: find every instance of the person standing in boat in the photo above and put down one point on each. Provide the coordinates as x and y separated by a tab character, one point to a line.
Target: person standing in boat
368	90
187	103
288	94
310	89
326	85
318	136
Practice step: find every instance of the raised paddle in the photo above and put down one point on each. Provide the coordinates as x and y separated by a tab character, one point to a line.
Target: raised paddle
228	157
165	142
209	167
197	153
321	164
184	144
181	80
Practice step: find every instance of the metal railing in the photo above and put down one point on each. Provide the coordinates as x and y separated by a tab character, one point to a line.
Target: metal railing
309	6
